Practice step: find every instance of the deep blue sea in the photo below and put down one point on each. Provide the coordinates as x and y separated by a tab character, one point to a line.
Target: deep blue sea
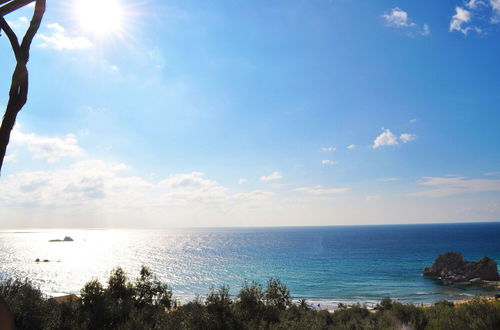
325	265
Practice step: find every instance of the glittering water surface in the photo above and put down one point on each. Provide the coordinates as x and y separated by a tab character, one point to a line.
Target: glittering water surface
322	264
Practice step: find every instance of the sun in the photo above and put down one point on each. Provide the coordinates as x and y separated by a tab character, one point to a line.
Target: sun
102	18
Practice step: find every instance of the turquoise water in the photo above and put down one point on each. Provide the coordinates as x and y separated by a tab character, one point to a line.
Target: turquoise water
325	265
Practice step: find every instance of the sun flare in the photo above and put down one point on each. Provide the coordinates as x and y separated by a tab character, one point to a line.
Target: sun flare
100	17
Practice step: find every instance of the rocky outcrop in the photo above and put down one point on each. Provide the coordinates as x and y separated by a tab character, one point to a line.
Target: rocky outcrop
66	239
452	268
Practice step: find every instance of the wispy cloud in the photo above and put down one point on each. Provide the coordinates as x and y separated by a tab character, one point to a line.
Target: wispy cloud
57	38
193	180
319	190
50	148
492	174
473	4
460	19
388	179
328	162
399	19
426	30
476	15
495	5
242	181
447	186
351	146
273	176
107	185
328	149
406	137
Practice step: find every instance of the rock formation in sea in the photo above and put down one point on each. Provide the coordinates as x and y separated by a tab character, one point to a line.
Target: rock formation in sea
66	239
451	268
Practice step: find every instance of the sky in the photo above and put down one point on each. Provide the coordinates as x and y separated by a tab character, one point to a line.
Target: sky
157	114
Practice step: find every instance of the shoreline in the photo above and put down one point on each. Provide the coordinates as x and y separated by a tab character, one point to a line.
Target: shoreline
328	305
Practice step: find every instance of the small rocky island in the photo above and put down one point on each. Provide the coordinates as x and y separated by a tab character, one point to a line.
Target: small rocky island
66	239
451	268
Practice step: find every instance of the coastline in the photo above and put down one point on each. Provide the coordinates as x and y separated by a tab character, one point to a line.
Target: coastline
328	305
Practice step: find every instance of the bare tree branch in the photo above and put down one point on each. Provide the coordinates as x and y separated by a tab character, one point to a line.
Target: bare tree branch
12	37
36	20
13	5
18	93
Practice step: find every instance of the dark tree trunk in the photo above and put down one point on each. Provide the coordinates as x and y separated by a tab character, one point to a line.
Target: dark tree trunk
18	93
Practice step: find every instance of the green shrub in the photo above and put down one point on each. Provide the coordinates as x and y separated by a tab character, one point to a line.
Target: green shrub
30	308
277	294
219	307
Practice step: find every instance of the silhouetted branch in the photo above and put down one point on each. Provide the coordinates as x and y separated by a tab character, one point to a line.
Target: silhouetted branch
36	20
11	35
18	93
13	5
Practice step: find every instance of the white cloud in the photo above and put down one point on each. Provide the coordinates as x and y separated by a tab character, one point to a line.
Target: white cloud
476	17
77	184
328	162
386	138
193	180
242	181
254	195
397	18
328	149
319	190
413	121
473	4
495	5
400	19
273	176
351	146
462	16
96	193
58	39
106	185
50	148
406	137
447	186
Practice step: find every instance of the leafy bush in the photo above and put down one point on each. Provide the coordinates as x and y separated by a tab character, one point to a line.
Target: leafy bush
30	308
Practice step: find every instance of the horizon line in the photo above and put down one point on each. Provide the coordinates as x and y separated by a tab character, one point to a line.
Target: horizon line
250	227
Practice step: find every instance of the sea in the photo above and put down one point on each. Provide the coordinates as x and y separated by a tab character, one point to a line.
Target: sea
324	265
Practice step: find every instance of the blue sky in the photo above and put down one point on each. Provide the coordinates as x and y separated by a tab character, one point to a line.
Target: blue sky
238	113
